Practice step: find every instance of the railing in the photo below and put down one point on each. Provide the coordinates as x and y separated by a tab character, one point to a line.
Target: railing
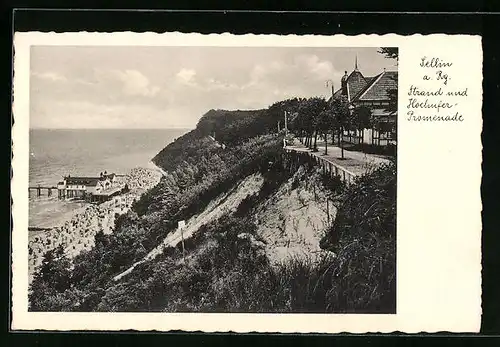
335	170
328	167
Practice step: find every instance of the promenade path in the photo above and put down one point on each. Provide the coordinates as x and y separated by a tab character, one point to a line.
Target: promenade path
355	162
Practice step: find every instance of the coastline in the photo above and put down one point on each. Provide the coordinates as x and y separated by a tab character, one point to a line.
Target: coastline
78	227
153	166
48	213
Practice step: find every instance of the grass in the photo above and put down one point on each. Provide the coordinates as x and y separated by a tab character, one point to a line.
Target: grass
226	273
363	236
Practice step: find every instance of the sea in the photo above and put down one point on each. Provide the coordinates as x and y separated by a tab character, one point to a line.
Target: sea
55	153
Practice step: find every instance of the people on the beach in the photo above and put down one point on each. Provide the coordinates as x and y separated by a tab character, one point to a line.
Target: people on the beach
77	234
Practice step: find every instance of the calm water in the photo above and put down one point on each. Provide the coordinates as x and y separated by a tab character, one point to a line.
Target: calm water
57	153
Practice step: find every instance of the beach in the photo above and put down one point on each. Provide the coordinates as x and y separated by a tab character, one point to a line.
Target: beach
77	226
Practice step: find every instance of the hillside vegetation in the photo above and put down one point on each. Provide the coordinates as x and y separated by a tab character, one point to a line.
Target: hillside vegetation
227	267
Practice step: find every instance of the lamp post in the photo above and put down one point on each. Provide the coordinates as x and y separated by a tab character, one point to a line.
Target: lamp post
330	82
286	130
286	124
327	83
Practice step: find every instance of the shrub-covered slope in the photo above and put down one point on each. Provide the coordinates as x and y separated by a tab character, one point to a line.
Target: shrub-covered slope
227	267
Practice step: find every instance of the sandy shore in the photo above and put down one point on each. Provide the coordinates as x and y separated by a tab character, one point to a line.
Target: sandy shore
52	212
77	233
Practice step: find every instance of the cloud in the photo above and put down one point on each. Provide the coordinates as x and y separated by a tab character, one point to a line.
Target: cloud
49	76
302	76
135	83
127	97
97	85
312	64
308	66
169	86
186	76
213	84
261	72
83	114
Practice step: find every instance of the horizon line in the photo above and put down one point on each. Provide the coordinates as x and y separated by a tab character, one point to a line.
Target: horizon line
173	128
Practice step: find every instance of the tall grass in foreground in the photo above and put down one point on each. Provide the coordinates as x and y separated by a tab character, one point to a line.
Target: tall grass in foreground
228	273
363	236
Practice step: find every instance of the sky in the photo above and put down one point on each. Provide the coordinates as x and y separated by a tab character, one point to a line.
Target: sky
172	87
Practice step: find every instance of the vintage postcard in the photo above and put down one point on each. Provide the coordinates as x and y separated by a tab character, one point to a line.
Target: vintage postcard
253	183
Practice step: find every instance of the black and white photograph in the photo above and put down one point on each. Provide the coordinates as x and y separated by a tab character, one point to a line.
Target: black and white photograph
212	179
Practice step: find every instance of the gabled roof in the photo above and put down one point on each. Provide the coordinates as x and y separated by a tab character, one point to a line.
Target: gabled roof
87	181
355	83
369	88
336	95
369	82
380	87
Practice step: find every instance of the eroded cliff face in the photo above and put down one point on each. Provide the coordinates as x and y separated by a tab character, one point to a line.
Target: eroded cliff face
294	219
289	223
225	204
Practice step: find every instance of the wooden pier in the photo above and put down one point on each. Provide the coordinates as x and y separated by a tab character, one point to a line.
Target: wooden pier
40	189
76	190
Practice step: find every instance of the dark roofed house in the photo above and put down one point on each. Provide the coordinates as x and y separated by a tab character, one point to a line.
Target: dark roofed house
82	181
379	88
355	82
110	176
78	186
378	93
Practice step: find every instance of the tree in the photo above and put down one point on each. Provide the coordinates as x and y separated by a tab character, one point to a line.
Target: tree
310	109
362	119
326	122
340	109
390	52
306	123
51	280
276	112
393	98
55	269
392	108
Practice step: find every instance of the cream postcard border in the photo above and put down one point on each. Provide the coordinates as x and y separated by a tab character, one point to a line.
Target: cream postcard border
438	207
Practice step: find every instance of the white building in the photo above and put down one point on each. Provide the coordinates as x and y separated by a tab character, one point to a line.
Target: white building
82	187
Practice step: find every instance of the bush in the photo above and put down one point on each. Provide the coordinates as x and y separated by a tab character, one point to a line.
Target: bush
363	236
51	280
